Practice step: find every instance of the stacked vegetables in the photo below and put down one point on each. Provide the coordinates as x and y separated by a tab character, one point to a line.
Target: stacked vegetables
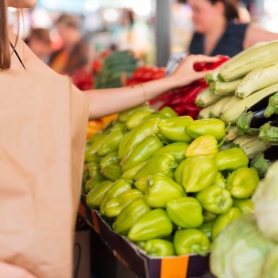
115	67
243	92
164	182
249	246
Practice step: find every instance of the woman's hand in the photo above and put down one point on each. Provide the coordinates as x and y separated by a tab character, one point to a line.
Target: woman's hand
185	73
13	271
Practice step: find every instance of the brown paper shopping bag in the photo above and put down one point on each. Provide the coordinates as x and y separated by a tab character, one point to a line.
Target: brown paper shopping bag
42	140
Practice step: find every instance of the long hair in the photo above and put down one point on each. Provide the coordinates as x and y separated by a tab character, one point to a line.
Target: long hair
231	10
5	56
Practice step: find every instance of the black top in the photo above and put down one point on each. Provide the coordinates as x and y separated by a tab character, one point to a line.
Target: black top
17	55
230	44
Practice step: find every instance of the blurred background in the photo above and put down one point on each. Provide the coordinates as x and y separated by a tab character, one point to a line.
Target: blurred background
152	29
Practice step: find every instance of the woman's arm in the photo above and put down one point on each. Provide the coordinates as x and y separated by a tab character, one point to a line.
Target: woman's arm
109	101
255	34
12	271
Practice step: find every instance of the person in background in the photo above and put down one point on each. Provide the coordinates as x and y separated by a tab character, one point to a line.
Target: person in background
75	51
40	43
218	29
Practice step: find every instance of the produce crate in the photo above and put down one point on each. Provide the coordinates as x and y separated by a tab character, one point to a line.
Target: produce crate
136	259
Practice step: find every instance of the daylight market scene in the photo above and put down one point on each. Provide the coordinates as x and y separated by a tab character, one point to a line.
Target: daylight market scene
139	139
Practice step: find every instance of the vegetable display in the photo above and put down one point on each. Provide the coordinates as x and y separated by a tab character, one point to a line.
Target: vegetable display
165	182
248	246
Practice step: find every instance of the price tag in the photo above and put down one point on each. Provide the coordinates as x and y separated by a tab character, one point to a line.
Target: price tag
174	61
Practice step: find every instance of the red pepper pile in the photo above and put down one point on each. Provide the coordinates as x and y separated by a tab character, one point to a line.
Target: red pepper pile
182	100
144	74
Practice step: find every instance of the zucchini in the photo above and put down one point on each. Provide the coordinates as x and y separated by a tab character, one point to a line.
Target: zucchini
206	98
249	59
251	145
217	107
257	79
232	113
224	88
204	113
229	103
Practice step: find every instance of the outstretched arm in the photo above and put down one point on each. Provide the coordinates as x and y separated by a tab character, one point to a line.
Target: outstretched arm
108	101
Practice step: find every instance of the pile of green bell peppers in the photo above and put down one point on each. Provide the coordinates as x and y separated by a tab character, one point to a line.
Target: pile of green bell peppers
164	181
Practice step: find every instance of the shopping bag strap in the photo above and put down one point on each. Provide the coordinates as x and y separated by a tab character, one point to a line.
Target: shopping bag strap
17	55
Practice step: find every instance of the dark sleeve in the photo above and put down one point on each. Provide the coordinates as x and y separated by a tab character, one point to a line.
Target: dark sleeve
231	43
196	45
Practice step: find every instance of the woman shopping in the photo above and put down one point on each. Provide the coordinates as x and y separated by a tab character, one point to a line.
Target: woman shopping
218	30
42	153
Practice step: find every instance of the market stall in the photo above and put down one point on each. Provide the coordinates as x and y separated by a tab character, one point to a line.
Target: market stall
166	185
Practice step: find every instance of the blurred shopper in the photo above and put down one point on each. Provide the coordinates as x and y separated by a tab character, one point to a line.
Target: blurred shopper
75	51
40	43
218	29
133	34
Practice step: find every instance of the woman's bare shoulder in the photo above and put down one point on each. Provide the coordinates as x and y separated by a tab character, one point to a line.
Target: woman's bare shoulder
30	60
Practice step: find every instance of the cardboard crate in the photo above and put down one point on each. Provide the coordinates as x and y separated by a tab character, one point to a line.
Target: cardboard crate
136	259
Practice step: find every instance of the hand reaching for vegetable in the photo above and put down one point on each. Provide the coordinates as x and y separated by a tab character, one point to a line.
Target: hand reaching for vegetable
185	72
13	271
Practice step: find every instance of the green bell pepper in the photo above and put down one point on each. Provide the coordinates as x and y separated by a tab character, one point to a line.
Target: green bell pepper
174	128
142	184
92	183
159	248
112	172
199	173
201	127
92	158
116	189
191	241
111	143
100	138
220	180
179	171
215	199
185	212
141	244
154	115
169	112
115	205
129	215
205	145
154	224
246	206
231	159
242	182
85	176
177	149
224	220
93	169
135	119
141	152
136	135
109	159
206	228
209	217
162	189
159	163
95	195
129	174
125	115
